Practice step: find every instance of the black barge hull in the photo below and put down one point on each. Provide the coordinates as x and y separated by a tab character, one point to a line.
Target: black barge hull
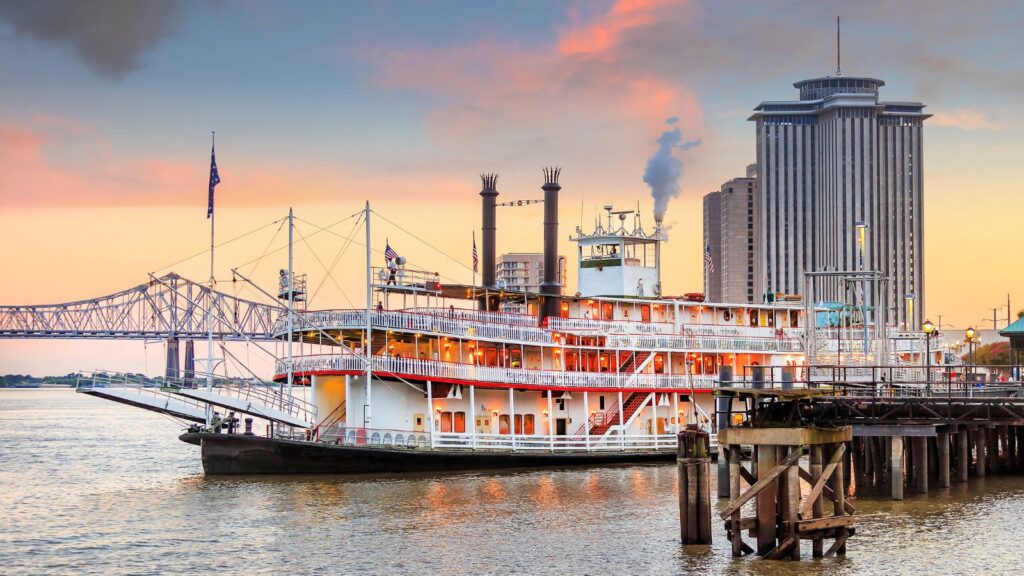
242	454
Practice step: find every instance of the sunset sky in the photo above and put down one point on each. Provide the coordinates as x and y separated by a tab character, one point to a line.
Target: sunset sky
106	110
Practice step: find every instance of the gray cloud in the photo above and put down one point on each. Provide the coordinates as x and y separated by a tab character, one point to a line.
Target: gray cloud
110	36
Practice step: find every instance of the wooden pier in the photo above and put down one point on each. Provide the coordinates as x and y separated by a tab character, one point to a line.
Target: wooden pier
860	438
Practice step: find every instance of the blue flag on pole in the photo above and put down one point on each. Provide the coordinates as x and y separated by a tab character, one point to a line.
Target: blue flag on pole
214	180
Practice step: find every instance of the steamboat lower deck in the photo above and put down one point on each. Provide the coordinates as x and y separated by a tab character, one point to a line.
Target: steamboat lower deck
247	454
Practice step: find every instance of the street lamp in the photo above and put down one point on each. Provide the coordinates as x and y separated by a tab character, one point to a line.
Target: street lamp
928	328
969	340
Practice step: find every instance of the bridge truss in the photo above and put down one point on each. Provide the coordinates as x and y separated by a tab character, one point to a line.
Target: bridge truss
165	307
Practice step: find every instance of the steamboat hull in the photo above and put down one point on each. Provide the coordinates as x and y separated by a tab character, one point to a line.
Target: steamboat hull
241	454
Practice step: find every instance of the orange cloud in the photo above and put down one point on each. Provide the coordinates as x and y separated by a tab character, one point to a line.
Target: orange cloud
964	118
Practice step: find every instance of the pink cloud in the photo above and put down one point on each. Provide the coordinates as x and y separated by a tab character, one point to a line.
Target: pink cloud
584	79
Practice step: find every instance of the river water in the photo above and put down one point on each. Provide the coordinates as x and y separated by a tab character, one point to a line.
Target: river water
92	487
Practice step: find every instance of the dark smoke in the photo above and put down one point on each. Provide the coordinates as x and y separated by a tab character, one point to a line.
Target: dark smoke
664	169
110	36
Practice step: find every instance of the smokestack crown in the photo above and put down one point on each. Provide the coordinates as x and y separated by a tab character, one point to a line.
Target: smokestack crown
551	175
490	183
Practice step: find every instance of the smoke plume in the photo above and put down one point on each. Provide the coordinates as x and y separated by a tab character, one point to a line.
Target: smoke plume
664	169
110	36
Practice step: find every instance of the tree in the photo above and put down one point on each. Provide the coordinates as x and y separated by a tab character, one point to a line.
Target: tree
995	354
1020	313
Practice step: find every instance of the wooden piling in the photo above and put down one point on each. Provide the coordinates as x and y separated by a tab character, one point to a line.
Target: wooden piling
920	464
964	451
693	463
818	508
783	518
766	501
1011	449
981	457
896	467
942	444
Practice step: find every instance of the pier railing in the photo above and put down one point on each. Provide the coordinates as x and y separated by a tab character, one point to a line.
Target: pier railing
473	374
898	381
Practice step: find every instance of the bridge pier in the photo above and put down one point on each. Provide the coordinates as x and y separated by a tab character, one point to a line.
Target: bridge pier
172	366
190	364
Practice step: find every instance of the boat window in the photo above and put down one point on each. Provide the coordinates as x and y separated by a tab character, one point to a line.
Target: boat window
645	313
528	424
446	421
600	402
607	311
753	318
565	310
503	424
519	423
460	422
659	364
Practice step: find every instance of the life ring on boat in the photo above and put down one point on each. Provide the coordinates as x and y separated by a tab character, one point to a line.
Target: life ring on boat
727	315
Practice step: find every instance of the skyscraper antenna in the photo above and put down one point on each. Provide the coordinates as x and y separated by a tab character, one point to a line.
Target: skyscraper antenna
839	52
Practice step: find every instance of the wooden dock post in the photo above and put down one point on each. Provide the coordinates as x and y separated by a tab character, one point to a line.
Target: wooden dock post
818	508
693	462
783	519
942	443
964	450
766	499
896	467
981	458
920	464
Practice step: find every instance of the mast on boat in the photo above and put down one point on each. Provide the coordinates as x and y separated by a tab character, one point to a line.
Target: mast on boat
368	387
214	180
291	304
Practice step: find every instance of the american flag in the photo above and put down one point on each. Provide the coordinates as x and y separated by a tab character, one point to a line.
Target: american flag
707	257
476	257
214	180
389	252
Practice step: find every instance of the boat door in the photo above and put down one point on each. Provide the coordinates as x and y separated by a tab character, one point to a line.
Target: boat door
661	425
483	424
561	426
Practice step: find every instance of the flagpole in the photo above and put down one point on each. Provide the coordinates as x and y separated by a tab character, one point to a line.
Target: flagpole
474	267
209	304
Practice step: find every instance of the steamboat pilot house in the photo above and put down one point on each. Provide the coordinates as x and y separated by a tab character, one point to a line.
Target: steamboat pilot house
615	366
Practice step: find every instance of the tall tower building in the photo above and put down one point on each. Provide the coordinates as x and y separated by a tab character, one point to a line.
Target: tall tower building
837	157
730	231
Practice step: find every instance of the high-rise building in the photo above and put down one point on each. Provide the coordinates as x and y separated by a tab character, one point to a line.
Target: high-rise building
713	246
524	271
730	233
833	159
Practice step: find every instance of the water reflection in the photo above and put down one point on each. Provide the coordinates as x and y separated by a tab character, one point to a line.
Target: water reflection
80	496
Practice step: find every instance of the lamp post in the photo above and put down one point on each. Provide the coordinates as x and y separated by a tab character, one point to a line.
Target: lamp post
928	328
969	340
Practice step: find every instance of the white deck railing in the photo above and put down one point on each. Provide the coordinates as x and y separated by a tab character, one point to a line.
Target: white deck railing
706	343
471	325
453	325
452	371
507	442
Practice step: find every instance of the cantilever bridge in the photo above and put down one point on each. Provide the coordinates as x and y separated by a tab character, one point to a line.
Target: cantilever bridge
169	307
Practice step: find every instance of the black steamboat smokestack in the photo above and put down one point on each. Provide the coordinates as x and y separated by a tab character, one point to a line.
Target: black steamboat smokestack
489	193
551	288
